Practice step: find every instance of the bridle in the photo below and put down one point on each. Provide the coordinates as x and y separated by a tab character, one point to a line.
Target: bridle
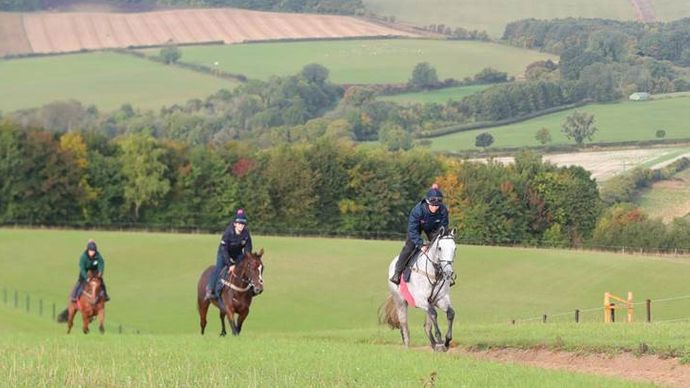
246	283
442	267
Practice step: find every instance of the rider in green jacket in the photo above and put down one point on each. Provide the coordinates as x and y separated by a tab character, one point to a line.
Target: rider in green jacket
90	260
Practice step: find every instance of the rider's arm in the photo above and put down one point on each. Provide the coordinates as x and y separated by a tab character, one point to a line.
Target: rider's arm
248	244
83	262
444	221
101	264
413	229
224	243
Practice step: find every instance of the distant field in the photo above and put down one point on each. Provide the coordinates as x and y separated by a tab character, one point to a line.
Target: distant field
363	61
667	10
493	15
616	122
59	32
440	96
667	199
105	79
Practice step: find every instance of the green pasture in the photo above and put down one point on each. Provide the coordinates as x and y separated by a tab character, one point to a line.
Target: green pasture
363	61
104	79
616	122
667	10
493	15
315	324
667	199
438	96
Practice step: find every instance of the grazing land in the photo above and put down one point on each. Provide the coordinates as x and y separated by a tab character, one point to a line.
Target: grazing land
440	96
616	122
667	199
493	15
105	79
363	61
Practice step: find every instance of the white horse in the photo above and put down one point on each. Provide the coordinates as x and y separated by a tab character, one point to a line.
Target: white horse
429	286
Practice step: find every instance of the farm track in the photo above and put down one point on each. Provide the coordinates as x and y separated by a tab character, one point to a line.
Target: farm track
645	368
644	10
49	33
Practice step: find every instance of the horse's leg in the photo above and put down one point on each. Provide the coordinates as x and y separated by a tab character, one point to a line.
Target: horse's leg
401	309
444	304
240	319
85	321
71	312
222	324
431	325
233	325
203	311
101	318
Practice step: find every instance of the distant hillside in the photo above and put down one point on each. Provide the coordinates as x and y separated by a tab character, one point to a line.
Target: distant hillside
29	33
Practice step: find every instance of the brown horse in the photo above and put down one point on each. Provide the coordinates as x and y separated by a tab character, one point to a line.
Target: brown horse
90	303
240	286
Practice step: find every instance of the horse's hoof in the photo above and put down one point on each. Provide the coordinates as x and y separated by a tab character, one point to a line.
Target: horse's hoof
440	348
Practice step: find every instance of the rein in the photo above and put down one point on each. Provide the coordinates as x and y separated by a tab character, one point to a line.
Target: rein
233	275
434	280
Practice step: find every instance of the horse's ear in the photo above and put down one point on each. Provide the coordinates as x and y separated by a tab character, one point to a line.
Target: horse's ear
452	232
261	252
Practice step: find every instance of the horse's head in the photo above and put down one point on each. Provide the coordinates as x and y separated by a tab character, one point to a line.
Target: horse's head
443	251
92	288
251	269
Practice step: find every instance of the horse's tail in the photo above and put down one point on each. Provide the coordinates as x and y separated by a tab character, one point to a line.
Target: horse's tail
388	314
62	317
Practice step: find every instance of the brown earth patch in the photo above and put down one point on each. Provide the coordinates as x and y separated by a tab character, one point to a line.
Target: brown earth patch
59	32
12	37
646	368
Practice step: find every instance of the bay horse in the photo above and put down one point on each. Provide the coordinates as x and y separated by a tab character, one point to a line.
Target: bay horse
90	303
240	285
428	288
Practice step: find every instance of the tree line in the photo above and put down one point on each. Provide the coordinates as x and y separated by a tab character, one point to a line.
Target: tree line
611	39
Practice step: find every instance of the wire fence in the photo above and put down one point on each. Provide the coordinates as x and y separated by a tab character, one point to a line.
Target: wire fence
598	314
680	251
49	309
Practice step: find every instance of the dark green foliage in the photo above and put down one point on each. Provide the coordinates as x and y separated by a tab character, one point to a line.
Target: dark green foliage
579	126
489	75
170	53
484	140
423	76
660	134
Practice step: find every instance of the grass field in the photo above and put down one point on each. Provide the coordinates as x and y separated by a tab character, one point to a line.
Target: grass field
623	121
105	79
667	199
439	96
363	61
316	323
493	15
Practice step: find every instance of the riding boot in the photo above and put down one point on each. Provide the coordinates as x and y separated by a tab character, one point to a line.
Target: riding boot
403	258
106	297
75	292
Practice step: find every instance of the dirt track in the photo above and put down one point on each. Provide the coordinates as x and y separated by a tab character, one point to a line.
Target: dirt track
46	32
644	10
646	368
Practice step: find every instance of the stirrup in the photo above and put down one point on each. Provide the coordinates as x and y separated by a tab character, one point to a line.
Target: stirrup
395	279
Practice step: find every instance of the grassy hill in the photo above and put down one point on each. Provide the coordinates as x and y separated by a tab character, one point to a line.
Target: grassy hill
493	15
363	61
105	79
439	96
667	199
315	323
623	121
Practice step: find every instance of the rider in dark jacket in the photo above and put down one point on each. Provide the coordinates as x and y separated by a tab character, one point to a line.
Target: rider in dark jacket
429	215
236	241
90	260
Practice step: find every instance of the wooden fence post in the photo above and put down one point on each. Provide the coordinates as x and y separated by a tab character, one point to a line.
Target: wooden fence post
544	318
577	316
649	310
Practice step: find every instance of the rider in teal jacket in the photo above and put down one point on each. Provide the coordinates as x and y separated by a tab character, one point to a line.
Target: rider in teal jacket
90	260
